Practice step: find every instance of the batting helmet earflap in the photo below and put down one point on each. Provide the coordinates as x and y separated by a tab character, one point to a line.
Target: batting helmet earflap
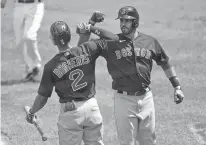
129	12
60	32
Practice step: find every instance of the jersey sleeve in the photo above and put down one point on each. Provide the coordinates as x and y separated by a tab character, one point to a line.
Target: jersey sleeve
159	55
46	84
102	44
96	46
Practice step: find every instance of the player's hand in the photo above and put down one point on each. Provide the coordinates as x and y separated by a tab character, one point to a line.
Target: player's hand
178	95
83	28
30	117
97	17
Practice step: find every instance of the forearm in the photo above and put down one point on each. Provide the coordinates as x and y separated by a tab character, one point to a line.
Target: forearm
103	33
83	38
171	74
39	103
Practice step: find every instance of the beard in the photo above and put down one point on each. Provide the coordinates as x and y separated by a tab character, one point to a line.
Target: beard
126	30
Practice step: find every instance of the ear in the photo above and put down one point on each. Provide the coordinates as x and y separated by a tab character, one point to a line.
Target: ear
135	23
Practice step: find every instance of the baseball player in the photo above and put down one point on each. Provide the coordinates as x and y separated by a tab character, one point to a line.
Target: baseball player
129	62
72	73
27	18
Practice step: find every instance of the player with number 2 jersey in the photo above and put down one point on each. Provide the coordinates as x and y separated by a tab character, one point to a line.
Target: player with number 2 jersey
72	73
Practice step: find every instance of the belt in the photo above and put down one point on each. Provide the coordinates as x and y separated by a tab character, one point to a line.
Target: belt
73	104
73	99
77	100
28	1
137	93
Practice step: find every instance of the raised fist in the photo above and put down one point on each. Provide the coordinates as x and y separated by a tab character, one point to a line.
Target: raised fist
83	28
97	17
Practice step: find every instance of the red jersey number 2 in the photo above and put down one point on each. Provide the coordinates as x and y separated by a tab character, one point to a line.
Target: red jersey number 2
75	84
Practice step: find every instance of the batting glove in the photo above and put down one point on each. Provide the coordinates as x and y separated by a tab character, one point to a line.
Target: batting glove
178	95
30	117
97	17
83	28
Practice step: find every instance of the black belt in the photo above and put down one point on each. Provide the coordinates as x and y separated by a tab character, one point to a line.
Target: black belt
137	93
73	99
70	104
28	1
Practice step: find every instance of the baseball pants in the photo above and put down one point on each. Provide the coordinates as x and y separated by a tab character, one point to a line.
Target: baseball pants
26	23
82	124
135	119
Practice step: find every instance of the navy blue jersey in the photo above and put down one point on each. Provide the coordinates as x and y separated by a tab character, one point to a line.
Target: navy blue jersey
130	62
72	73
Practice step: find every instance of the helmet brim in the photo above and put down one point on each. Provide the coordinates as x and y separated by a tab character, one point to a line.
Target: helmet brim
126	17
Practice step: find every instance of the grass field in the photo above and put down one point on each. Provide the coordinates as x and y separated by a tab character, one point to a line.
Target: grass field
179	25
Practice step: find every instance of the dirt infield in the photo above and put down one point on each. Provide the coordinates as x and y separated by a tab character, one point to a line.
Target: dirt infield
180	26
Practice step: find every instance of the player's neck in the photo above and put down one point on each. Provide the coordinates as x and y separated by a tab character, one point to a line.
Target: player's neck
132	35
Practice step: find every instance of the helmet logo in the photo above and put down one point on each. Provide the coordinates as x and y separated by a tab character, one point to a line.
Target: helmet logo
123	11
63	27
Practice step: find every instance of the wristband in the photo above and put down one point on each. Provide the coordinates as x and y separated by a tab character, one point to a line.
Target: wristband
178	88
31	112
91	22
174	81
87	27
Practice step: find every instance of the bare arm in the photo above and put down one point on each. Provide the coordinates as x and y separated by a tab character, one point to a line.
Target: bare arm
83	38
171	74
38	104
97	17
84	30
103	33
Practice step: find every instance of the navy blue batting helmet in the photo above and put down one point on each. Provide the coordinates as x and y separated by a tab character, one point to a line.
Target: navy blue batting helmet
128	12
60	32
